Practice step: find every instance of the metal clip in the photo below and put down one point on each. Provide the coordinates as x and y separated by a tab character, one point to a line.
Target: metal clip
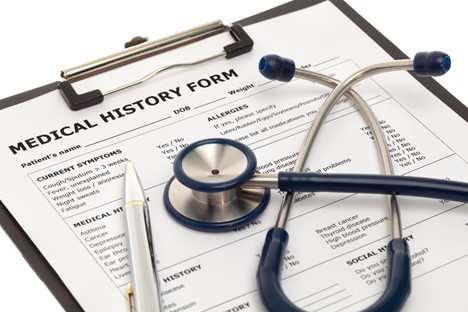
75	101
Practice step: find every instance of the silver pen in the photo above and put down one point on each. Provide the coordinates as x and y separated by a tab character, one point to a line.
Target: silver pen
143	263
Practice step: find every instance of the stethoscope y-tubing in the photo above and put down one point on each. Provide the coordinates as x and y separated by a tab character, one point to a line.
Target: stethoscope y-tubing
397	252
269	272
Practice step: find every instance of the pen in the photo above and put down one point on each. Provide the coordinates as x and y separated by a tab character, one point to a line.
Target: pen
144	280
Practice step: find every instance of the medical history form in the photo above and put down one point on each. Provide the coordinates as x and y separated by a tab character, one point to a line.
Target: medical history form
66	168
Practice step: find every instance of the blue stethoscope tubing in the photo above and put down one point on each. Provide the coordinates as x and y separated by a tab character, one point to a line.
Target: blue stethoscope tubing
325	182
329	182
268	274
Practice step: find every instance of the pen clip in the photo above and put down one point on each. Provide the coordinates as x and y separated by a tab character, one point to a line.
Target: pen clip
149	234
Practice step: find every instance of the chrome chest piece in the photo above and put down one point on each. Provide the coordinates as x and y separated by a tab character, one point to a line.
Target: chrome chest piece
206	194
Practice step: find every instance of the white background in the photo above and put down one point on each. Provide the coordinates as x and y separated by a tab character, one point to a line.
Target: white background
40	38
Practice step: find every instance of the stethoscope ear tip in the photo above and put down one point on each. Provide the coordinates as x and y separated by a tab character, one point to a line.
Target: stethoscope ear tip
434	63
275	67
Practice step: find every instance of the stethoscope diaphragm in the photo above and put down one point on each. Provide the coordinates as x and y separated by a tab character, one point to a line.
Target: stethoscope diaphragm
205	192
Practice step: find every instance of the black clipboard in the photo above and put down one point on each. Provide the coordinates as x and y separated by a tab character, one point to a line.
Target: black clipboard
39	263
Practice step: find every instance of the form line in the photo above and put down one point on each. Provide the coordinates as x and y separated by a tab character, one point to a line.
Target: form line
128	131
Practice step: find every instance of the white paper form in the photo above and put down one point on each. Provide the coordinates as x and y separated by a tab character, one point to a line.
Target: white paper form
65	175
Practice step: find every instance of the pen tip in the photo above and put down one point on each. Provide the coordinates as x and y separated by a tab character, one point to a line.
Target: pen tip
129	166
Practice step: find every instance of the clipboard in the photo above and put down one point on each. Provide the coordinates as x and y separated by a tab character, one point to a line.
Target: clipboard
27	247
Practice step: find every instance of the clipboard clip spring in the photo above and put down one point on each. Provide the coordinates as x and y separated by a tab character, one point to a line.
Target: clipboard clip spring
243	44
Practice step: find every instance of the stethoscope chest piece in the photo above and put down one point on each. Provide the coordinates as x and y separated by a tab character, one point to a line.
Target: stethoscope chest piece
205	192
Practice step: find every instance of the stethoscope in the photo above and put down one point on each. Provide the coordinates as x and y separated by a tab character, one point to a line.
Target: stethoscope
215	186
